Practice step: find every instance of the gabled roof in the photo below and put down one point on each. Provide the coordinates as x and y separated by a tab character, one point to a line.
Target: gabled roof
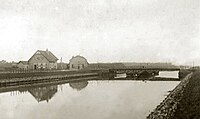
48	55
23	62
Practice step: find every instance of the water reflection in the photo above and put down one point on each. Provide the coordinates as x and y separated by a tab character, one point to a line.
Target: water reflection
78	85
40	93
44	93
110	99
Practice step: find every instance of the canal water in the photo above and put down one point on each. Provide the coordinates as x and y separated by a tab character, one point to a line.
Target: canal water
168	74
100	99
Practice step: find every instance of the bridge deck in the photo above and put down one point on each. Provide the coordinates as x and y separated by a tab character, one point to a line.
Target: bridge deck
158	69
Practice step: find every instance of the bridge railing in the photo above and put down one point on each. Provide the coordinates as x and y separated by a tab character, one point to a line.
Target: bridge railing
160	69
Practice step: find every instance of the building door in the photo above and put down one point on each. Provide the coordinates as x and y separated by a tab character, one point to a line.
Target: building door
78	66
35	66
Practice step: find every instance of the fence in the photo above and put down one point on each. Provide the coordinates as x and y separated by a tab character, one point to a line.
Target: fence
33	73
30	70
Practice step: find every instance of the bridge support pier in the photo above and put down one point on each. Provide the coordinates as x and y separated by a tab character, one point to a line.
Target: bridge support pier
138	73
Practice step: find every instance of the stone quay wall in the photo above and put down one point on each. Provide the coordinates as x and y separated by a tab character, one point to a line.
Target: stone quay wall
168	106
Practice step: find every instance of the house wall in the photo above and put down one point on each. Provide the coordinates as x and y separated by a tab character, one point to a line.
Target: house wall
53	65
77	63
39	61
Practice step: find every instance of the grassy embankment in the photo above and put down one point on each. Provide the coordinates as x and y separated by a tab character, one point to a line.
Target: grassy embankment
189	105
183	73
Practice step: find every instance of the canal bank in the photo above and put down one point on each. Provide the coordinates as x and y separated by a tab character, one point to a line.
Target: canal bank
46	77
168	108
189	105
40	73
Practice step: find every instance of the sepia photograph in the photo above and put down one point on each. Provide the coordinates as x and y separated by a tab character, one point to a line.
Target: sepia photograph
100	59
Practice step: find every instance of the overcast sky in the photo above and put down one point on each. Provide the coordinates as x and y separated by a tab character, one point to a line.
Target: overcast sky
102	30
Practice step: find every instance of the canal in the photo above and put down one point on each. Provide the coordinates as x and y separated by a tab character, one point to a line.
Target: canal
97	99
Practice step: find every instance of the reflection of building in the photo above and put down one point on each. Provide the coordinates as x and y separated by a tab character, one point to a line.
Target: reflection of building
43	60
40	93
77	63
78	85
43	93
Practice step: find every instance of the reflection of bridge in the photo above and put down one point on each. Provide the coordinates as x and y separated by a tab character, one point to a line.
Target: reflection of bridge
135	72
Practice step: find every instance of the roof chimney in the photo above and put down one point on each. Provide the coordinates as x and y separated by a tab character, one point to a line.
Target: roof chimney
47	51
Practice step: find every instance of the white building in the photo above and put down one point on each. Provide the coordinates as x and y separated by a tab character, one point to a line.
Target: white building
78	62
43	60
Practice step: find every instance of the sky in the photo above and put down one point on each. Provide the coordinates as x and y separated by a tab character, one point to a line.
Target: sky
102	30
